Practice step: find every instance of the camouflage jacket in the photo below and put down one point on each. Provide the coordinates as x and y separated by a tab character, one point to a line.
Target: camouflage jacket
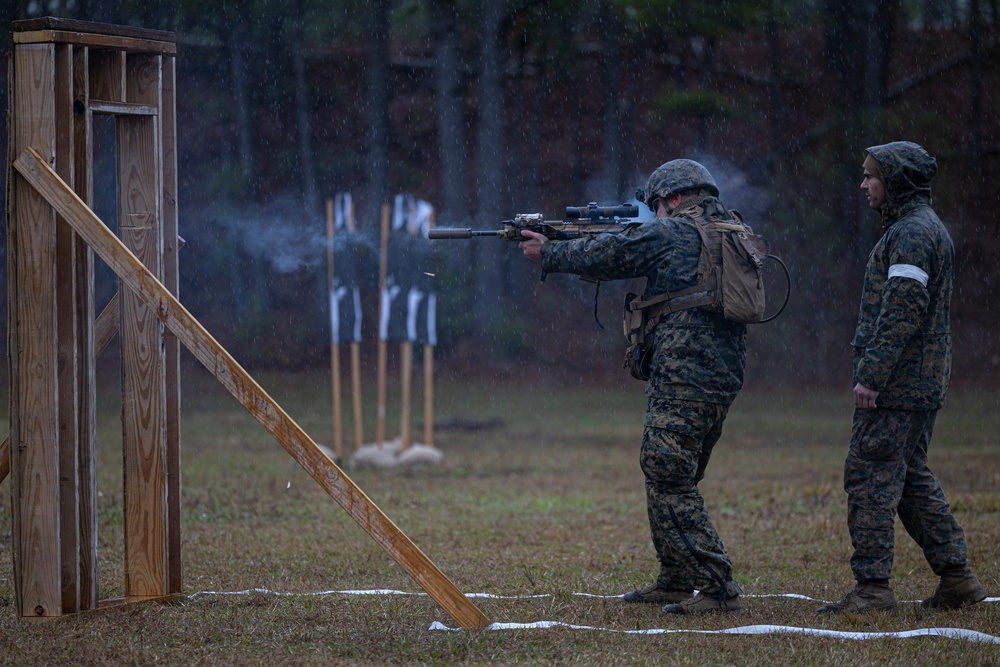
697	355
902	346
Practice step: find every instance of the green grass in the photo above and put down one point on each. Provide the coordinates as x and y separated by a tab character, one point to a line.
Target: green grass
550	503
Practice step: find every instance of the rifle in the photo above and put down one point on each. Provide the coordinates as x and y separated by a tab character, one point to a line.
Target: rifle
599	220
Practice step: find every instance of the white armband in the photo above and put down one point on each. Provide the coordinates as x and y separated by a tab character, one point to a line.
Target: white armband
908	271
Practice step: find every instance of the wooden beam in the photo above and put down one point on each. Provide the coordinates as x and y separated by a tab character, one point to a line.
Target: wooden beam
171	278
123	109
4	459
145	35
34	431
144	434
238	382
67	345
105	329
83	168
90	39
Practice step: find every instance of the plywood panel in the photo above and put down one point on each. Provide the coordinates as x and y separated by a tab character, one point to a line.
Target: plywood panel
143	365
107	76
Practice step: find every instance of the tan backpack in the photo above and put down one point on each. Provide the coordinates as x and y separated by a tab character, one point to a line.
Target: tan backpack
730	281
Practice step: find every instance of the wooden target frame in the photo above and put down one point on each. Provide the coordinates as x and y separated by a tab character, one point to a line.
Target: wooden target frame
64	72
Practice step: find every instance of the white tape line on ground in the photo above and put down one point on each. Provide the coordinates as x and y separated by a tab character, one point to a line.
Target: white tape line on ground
390	591
372	591
951	633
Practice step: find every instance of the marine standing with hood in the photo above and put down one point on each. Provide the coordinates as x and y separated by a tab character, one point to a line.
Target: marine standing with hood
902	364
695	368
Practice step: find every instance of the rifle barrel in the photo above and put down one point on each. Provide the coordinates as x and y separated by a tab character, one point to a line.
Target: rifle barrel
458	233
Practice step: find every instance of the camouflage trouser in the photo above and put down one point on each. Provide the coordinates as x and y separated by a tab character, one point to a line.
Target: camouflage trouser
677	442
886	473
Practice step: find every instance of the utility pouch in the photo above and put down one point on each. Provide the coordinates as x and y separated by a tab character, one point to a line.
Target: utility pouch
637	360
633	320
637	356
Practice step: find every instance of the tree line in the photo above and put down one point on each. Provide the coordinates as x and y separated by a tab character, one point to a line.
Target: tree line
490	108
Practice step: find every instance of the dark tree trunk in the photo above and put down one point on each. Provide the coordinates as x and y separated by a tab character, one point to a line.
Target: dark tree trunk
707	63
610	31
310	199
242	104
974	136
454	209
490	167
378	113
859	41
776	114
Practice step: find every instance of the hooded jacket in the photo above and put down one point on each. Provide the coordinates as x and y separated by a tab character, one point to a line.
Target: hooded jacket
902	345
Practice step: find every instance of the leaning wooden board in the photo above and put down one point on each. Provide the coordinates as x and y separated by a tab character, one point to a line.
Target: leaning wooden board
269	414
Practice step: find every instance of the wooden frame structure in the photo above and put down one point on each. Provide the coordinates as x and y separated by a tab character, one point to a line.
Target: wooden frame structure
63	73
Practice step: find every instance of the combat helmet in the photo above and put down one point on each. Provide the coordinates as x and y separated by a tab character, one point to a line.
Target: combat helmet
677	176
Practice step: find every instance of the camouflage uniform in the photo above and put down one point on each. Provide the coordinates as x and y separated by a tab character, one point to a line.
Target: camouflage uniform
902	349
697	364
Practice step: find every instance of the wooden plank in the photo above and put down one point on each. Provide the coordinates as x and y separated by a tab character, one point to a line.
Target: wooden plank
428	394
83	167
95	41
4	459
239	383
92	27
106	327
143	365
66	344
356	393
107	76
406	379
123	109
34	453
172	347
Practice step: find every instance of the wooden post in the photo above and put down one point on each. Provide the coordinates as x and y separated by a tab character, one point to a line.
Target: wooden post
429	370
32	331
83	185
382	343
105	329
428	394
143	354
356	393
338	434
406	361
355	360
68	316
238	382
172	348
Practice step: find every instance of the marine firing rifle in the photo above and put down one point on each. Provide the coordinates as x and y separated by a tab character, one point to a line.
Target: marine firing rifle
599	220
582	221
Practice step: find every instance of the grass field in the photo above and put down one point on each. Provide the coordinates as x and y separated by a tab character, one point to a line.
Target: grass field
548	504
